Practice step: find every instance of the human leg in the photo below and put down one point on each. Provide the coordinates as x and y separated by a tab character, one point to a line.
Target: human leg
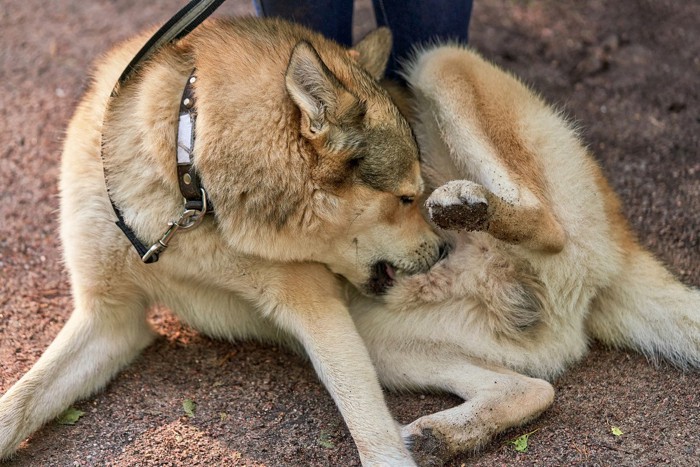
417	22
332	18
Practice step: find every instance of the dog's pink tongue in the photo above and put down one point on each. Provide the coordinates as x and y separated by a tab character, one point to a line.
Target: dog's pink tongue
390	272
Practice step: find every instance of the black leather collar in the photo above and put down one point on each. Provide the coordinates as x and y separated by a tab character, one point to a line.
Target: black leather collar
187	176
196	205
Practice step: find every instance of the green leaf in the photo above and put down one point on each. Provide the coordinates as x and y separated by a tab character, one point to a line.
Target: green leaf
189	407
70	416
616	431
325	440
520	443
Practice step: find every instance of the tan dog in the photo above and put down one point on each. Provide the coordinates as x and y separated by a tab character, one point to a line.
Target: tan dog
312	172
541	260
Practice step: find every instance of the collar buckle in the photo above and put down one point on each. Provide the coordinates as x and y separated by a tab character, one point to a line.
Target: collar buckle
188	220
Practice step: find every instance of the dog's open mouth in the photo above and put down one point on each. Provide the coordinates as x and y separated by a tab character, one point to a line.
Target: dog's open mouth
382	278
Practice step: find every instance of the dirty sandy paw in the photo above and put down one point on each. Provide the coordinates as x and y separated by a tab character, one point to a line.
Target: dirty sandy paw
427	448
459	205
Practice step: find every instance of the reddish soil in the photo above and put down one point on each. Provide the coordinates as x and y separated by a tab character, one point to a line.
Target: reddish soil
627	71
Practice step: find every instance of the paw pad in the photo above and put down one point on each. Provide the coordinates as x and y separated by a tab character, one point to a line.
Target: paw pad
463	216
429	449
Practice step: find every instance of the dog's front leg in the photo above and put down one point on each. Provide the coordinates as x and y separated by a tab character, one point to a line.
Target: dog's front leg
99	339
306	301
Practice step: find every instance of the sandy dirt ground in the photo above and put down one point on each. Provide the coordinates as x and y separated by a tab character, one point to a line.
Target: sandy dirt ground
627	71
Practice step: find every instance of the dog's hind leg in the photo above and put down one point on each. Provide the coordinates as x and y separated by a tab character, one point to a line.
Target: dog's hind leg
466	205
97	341
469	126
495	399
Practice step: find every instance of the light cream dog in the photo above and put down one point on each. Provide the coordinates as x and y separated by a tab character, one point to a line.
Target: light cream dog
312	172
541	259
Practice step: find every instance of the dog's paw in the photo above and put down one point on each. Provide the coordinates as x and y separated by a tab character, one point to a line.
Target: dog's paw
459	205
427	448
445	434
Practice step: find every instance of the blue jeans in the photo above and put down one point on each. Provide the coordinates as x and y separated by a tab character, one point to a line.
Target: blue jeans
411	22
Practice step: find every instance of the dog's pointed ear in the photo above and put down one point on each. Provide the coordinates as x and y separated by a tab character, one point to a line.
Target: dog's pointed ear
372	52
312	87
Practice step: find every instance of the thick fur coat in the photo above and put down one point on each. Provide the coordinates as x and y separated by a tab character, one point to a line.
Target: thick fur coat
541	259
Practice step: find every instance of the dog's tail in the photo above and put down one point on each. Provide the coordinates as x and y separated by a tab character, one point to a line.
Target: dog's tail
648	310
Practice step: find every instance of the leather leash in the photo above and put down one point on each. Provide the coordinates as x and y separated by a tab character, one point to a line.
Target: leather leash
196	205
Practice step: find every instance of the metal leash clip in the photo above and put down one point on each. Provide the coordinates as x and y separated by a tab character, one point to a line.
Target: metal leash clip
189	219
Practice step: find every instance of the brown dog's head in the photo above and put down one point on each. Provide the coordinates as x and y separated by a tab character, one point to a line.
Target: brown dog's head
367	156
304	155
